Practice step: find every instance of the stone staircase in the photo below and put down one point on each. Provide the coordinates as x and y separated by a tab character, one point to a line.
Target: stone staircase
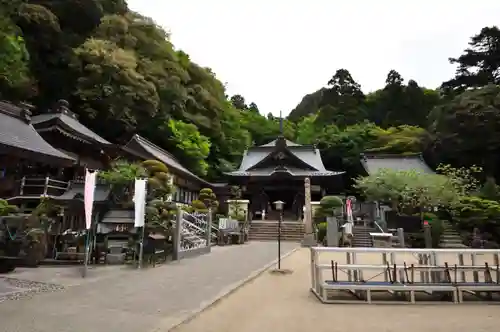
450	237
268	230
361	236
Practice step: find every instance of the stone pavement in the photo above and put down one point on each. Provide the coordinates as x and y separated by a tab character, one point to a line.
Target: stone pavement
283	303
137	301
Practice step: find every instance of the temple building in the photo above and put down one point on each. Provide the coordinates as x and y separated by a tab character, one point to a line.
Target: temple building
22	148
61	128
187	185
276	171
373	162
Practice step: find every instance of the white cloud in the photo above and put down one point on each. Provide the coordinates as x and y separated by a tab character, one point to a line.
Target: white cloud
273	52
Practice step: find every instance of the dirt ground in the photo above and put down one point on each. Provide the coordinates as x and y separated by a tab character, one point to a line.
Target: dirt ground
283	303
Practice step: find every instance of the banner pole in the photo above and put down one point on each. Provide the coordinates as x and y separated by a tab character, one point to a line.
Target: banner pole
141	248
86	256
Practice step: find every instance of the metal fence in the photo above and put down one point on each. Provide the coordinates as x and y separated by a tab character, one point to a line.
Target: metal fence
192	234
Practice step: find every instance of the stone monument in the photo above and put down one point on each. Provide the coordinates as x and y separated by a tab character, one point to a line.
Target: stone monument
309	240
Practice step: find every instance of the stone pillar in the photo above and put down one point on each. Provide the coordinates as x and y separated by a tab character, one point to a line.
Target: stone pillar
332	232
401	237
209	228
308	240
177	234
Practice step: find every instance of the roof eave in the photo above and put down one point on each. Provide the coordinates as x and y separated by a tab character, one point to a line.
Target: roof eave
144	154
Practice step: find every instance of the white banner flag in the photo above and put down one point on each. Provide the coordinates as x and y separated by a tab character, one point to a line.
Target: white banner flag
88	196
140	202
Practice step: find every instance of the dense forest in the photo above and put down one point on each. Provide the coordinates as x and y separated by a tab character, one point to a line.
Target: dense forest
122	75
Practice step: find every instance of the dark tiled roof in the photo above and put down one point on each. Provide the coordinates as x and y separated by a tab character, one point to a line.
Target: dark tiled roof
273	143
290	170
76	192
152	151
19	136
372	163
306	153
119	217
69	122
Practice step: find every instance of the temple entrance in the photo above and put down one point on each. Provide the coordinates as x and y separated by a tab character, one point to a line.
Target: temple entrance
286	196
263	196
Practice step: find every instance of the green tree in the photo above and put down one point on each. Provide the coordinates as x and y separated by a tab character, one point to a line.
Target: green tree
309	105
159	207
6	208
207	200
121	177
399	104
343	101
308	130
408	191
479	65
329	206
238	102
109	88
194	146
490	190
464	130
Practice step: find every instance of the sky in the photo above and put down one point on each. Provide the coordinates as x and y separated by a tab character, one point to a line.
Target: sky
273	52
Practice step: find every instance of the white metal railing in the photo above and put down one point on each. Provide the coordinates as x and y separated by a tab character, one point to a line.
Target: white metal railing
431	264
46	186
201	222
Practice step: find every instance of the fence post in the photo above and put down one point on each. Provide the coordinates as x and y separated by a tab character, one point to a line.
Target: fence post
401	237
178	234
46	186
209	229
23	182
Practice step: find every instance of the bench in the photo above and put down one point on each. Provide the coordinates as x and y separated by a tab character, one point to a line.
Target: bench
393	285
407	284
229	232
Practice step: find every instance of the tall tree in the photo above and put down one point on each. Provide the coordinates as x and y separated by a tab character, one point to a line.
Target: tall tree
399	104
14	71
252	107
466	130
479	65
309	104
238	101
342	102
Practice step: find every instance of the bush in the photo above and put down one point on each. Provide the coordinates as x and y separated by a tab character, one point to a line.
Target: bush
329	206
321	231
199	206
475	212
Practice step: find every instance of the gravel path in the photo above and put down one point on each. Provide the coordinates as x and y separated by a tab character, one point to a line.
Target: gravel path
138	301
283	303
16	289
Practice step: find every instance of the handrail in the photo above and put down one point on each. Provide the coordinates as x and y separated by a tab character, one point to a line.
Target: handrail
41	186
378	226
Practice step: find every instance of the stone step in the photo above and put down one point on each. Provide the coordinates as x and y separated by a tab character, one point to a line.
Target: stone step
276	234
275	237
452	245
270	240
276	227
451	241
448	236
253	231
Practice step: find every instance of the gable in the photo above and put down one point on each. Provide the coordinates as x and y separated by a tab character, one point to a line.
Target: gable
282	157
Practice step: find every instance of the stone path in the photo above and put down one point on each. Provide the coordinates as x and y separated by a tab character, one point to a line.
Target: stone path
136	301
283	303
